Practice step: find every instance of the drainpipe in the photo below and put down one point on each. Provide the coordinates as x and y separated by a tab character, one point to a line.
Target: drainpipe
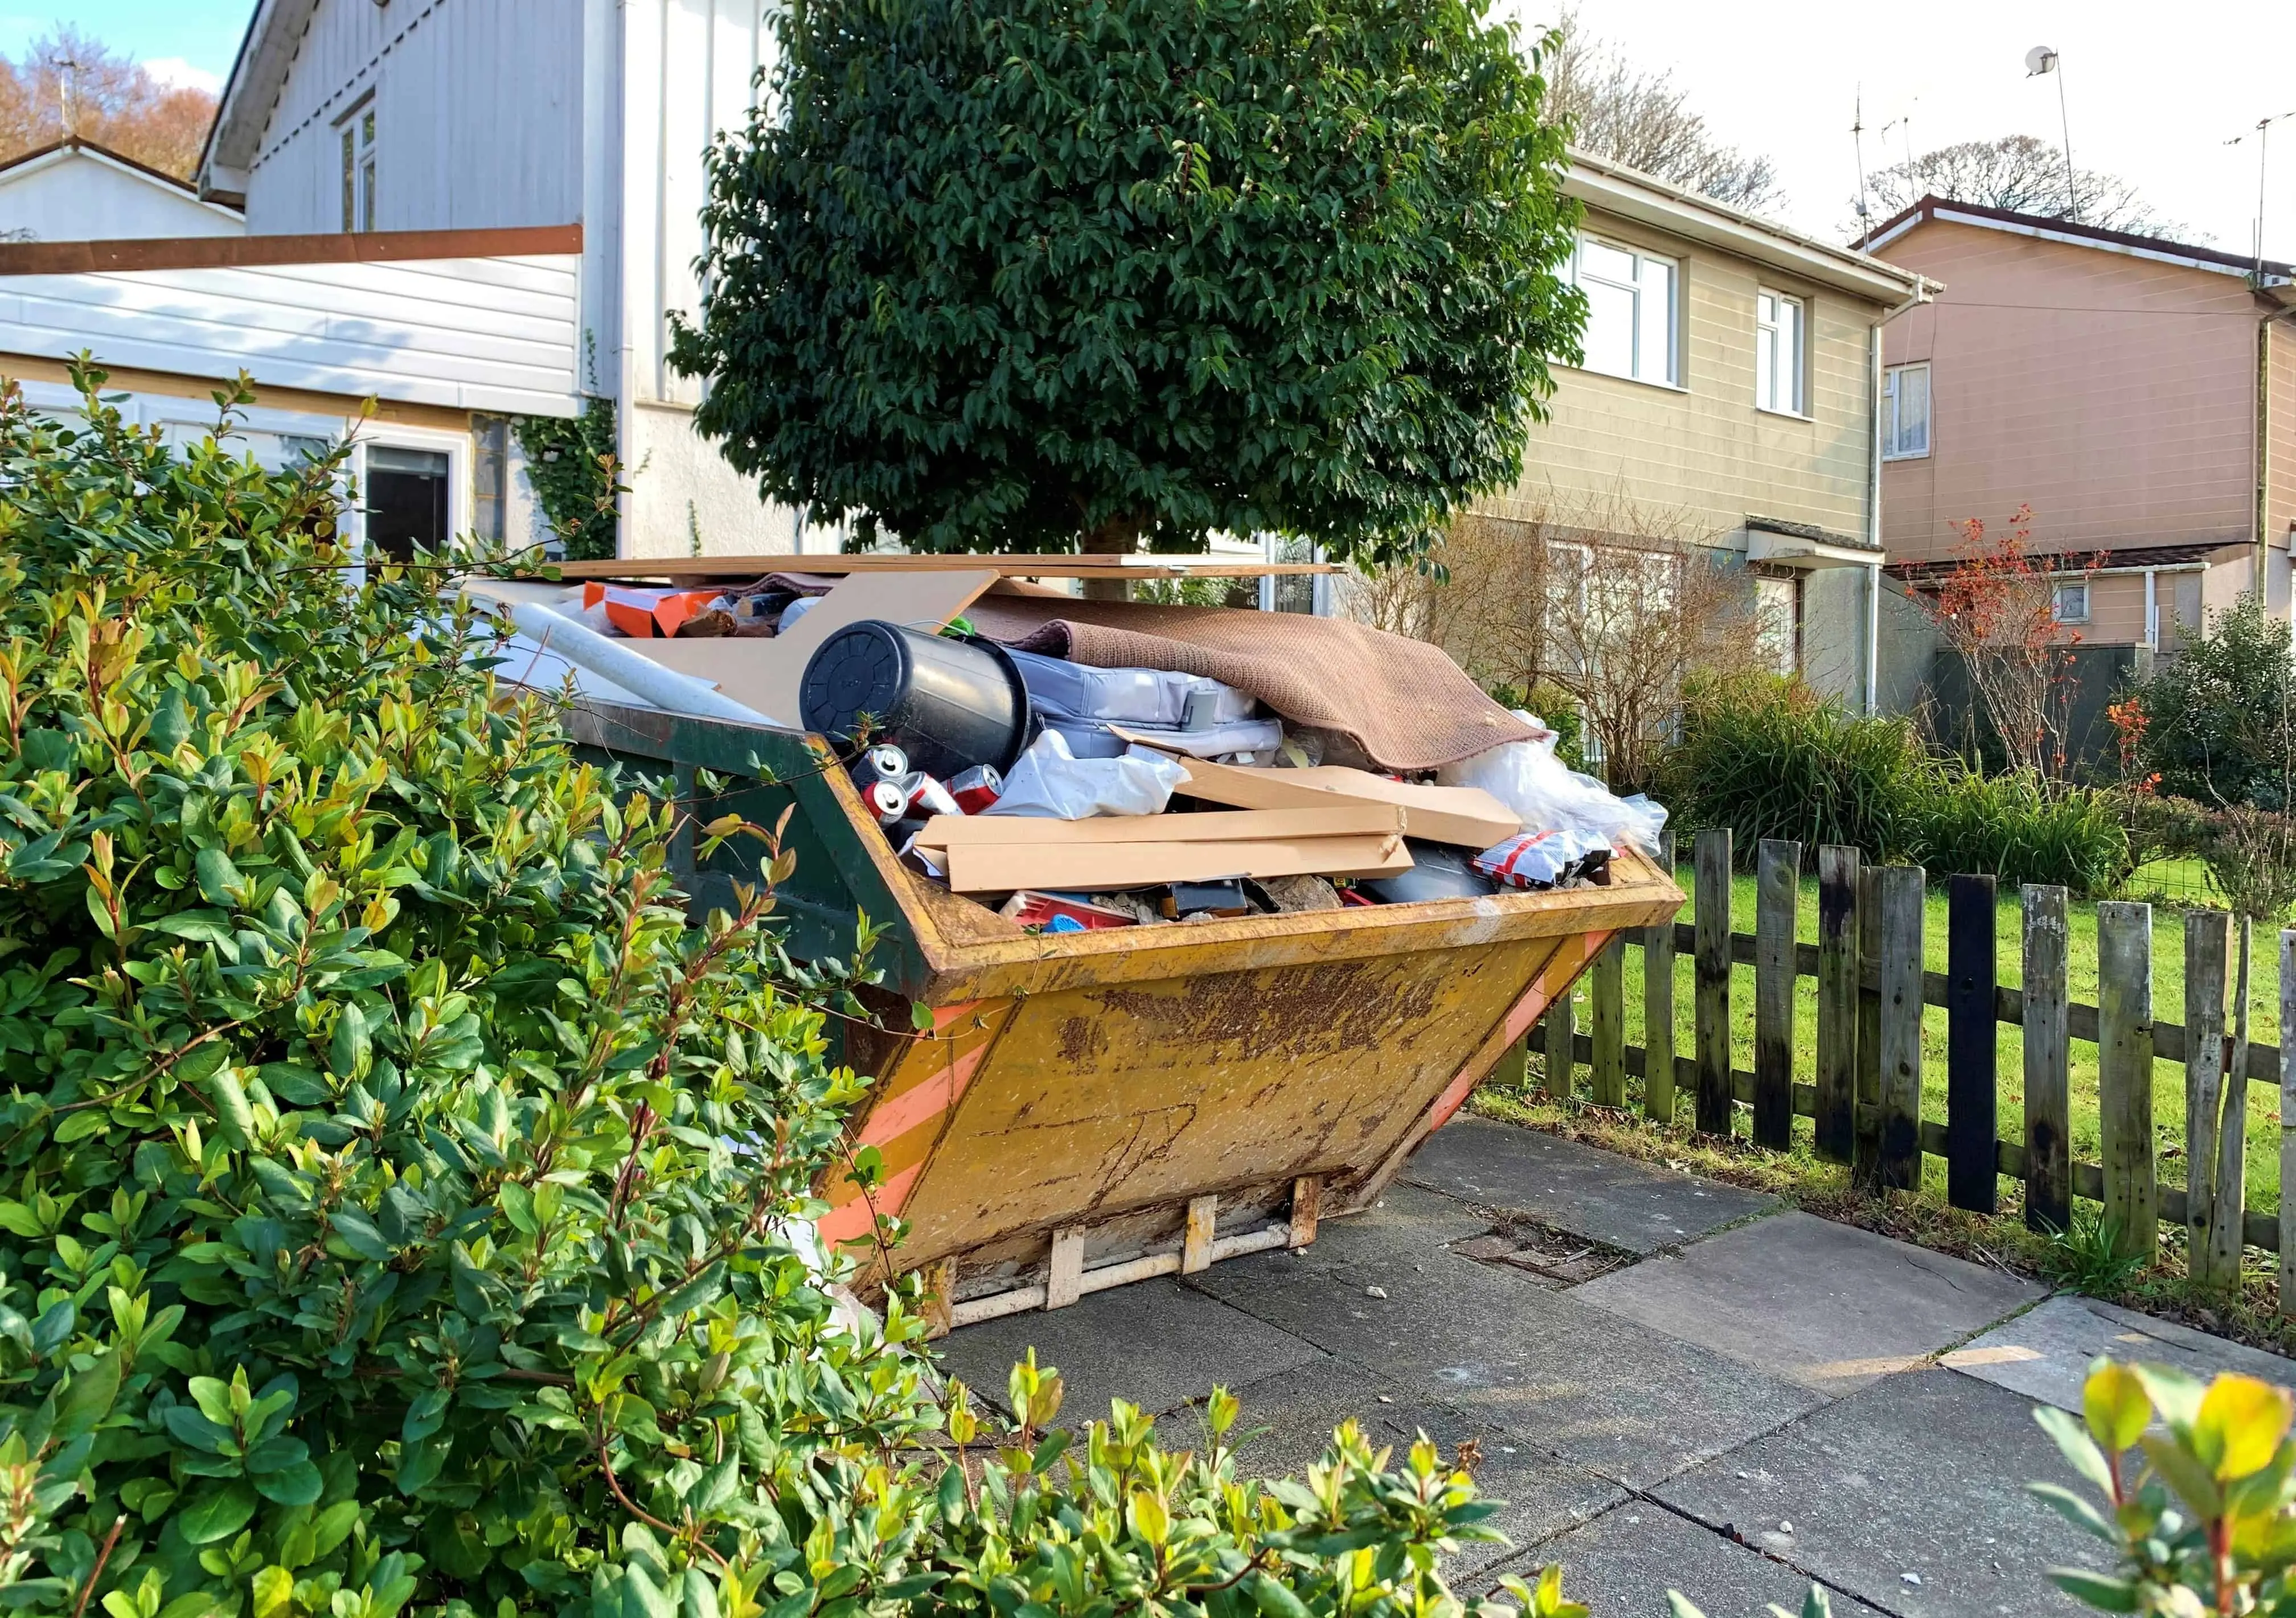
1920	295
2264	448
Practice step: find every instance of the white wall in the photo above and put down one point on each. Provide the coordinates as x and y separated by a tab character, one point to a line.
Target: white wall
688	71
496	334
478	110
77	196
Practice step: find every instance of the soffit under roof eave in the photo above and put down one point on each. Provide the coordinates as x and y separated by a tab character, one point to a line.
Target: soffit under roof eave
256	77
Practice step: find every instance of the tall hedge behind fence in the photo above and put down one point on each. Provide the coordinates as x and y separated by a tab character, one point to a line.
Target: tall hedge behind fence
1864	1096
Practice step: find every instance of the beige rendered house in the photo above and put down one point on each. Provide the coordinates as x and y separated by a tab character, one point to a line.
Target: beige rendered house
2138	394
1728	395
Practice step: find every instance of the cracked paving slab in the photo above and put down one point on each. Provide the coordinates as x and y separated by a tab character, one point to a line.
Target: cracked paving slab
1910	1494
2045	1353
1155	1343
1828	1306
1288	1421
1622	1563
1604	1392
1580	1189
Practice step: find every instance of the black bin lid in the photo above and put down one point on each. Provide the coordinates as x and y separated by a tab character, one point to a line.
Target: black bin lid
861	669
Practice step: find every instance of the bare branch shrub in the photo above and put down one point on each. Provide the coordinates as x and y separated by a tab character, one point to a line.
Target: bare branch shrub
1996	608
1613	600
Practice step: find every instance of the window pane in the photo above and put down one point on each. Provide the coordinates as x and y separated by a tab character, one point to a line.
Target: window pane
1790	356
351	184
1610	339
366	195
1655	358
1913	410
1608	262
1766	370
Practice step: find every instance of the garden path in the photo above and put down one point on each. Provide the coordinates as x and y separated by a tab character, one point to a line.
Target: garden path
1672	1382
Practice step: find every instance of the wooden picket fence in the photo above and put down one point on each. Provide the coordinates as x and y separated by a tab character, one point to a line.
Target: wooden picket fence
1864	1096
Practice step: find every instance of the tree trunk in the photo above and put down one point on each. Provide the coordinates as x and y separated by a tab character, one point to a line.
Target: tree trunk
1118	536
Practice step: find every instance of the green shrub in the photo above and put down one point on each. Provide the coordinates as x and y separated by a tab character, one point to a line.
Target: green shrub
2217	722
1770	758
402	1193
2021	829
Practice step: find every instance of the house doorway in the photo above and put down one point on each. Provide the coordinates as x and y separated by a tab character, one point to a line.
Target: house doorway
407	500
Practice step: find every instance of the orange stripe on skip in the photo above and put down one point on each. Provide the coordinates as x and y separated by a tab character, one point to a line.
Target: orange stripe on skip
1560	969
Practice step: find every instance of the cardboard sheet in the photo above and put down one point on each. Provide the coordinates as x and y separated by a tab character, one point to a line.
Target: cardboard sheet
765	674
1103	867
1247	825
1466	816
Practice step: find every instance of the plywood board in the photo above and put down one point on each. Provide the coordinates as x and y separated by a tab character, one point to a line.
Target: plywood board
1243	825
1467	816
765	674
1092	868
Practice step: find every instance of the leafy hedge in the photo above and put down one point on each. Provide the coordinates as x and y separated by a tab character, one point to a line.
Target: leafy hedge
1770	758
404	1197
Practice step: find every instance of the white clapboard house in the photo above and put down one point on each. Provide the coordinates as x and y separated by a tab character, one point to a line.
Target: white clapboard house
469	209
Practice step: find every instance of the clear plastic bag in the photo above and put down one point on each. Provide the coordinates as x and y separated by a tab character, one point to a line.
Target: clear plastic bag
1549	795
1052	783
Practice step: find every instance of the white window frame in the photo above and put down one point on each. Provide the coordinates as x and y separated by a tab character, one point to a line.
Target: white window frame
1781	355
1893	434
360	135
1669	373
2058	591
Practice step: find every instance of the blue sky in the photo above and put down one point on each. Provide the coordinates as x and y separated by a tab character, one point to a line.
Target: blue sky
199	35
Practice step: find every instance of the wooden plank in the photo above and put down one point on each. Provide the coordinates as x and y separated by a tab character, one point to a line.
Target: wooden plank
2124	970
1866	1149
1557	1045
1973	1083
1306	1204
1006	567
1607	994
1900	1035
1467	816
1216	826
1512	1071
2207	935
1777	889
1064	1275
2288	1122
1004	867
2231	1160
2048	1063
1196	1239
1658	1004
1837	1001
1712	1033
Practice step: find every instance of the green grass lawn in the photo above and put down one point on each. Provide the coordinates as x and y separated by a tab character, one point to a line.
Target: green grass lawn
2167	1006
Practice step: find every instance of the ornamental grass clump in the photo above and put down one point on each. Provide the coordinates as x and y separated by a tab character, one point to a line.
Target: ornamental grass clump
404	1198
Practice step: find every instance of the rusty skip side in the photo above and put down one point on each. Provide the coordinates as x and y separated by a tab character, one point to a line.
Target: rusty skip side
1086	1095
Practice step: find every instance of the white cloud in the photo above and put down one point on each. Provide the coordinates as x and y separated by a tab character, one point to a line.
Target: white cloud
177	74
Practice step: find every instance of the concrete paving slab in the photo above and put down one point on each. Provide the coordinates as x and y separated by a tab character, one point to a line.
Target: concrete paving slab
1828	1306
1622	1563
1300	1407
1405	1219
1581	1188
2045	1353
1156	1343
1921	1474
1628	1402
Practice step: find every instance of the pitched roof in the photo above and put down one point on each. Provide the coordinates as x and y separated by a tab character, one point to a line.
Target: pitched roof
75	144
1948	211
1614	188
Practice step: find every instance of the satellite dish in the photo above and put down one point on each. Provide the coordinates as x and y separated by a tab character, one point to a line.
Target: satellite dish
2040	58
